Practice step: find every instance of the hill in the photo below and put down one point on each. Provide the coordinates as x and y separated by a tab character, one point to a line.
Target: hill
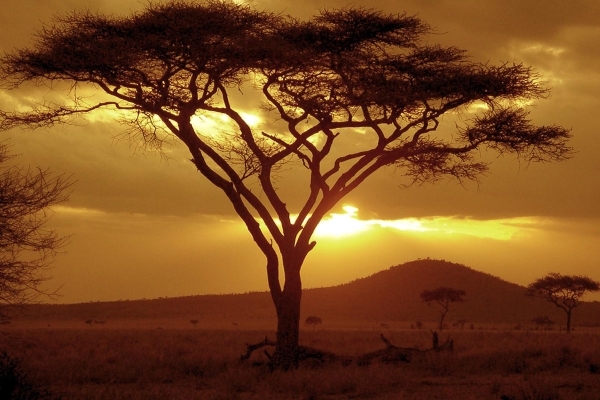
393	295
389	296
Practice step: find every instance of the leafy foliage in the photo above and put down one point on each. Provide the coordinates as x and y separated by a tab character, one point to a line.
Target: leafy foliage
443	296
565	291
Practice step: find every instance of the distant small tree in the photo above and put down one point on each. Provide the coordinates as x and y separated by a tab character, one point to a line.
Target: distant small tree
565	291
314	321
518	327
443	296
89	322
419	324
194	322
543	321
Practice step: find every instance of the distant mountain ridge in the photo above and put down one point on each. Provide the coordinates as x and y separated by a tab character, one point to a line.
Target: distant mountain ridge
388	296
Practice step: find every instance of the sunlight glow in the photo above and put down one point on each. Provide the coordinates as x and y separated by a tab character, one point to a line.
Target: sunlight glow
80	211
540	48
251	119
478	106
347	224
517	49
407	224
213	125
338	225
209	125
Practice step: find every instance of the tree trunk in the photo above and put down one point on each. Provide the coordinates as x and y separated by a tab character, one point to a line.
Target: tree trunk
441	325
569	321
288	323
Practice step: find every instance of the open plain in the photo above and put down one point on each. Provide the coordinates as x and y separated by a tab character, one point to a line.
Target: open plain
189	347
112	362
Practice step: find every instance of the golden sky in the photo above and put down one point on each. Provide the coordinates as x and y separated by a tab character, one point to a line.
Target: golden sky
146	226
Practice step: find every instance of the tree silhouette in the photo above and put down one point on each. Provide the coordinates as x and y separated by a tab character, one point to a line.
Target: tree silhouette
314	321
461	323
443	296
565	291
543	321
348	92
27	246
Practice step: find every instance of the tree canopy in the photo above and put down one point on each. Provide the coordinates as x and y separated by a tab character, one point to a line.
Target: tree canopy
313	320
565	291
347	92
443	296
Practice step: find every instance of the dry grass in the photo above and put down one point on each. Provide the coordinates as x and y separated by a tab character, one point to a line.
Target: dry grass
118	364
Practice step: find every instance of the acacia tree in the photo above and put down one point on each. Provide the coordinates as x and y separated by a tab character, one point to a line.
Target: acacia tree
350	76
543	321
565	291
27	246
313	320
443	296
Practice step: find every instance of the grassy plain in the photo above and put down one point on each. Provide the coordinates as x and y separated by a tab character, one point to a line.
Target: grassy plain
112	363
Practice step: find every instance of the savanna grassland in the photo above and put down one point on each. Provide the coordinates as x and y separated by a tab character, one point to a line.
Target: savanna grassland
111	363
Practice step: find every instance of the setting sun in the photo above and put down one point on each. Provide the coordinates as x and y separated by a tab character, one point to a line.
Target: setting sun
338	225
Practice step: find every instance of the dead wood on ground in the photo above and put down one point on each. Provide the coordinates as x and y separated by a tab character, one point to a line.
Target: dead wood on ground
391	354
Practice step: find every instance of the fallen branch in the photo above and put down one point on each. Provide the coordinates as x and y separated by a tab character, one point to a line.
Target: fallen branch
310	353
251	347
304	353
390	354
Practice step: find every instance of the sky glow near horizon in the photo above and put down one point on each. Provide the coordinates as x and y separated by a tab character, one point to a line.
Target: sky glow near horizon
147	225
339	225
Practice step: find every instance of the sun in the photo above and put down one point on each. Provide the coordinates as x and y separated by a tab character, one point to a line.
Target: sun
339	225
348	224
